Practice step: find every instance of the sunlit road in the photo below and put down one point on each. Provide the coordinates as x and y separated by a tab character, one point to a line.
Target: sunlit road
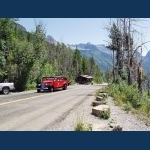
32	111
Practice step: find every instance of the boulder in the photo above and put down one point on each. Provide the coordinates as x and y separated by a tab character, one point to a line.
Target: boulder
99	98
98	109
117	128
103	94
96	103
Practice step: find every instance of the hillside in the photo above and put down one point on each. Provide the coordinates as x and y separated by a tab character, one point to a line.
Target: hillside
25	57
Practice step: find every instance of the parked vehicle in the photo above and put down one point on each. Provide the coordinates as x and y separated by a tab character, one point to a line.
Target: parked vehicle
5	88
52	83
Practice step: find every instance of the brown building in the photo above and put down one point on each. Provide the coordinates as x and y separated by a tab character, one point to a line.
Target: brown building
84	79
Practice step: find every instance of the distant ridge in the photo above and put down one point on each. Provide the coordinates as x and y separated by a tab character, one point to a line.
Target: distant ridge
100	53
146	62
20	27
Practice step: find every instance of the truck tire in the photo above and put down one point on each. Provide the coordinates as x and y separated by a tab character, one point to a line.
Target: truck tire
5	90
51	89
65	87
38	90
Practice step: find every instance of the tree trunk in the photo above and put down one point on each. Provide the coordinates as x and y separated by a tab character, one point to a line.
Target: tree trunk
129	56
140	78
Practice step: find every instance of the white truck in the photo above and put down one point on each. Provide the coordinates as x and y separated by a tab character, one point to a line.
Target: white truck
5	88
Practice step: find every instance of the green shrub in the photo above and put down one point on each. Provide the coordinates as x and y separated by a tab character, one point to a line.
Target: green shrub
126	93
98	80
31	86
72	81
104	114
129	96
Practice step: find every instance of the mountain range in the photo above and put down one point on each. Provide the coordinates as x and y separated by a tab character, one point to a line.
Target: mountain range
101	54
146	62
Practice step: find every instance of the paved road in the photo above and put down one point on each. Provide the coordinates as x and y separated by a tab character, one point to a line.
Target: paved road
32	111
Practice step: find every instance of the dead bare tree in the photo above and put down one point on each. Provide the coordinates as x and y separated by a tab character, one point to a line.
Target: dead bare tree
129	47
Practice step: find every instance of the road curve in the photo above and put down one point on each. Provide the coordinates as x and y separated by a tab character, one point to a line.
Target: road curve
32	111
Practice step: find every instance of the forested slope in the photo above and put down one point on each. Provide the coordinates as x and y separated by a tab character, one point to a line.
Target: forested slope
27	56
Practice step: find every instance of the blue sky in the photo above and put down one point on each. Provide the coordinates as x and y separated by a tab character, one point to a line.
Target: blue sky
77	30
70	30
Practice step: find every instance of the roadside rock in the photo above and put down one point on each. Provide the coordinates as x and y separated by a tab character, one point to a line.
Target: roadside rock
98	109
99	98
103	94
117	128
96	103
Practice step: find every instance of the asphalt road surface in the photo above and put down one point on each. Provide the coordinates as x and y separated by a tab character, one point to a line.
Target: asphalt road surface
32	111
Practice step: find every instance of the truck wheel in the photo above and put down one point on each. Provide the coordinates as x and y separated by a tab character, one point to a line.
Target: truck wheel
65	87
5	90
38	90
51	89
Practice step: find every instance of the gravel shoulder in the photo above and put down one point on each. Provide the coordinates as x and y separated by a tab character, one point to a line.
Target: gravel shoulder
128	122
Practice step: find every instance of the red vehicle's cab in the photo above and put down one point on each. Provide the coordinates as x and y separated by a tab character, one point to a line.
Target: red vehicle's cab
52	83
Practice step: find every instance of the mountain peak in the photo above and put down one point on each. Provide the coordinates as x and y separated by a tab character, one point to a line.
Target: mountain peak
88	43
50	39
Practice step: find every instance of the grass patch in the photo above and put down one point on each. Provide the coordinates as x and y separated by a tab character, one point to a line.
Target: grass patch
112	121
81	126
127	107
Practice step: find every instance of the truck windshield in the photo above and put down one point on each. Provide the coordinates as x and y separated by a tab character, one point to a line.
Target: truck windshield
47	78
